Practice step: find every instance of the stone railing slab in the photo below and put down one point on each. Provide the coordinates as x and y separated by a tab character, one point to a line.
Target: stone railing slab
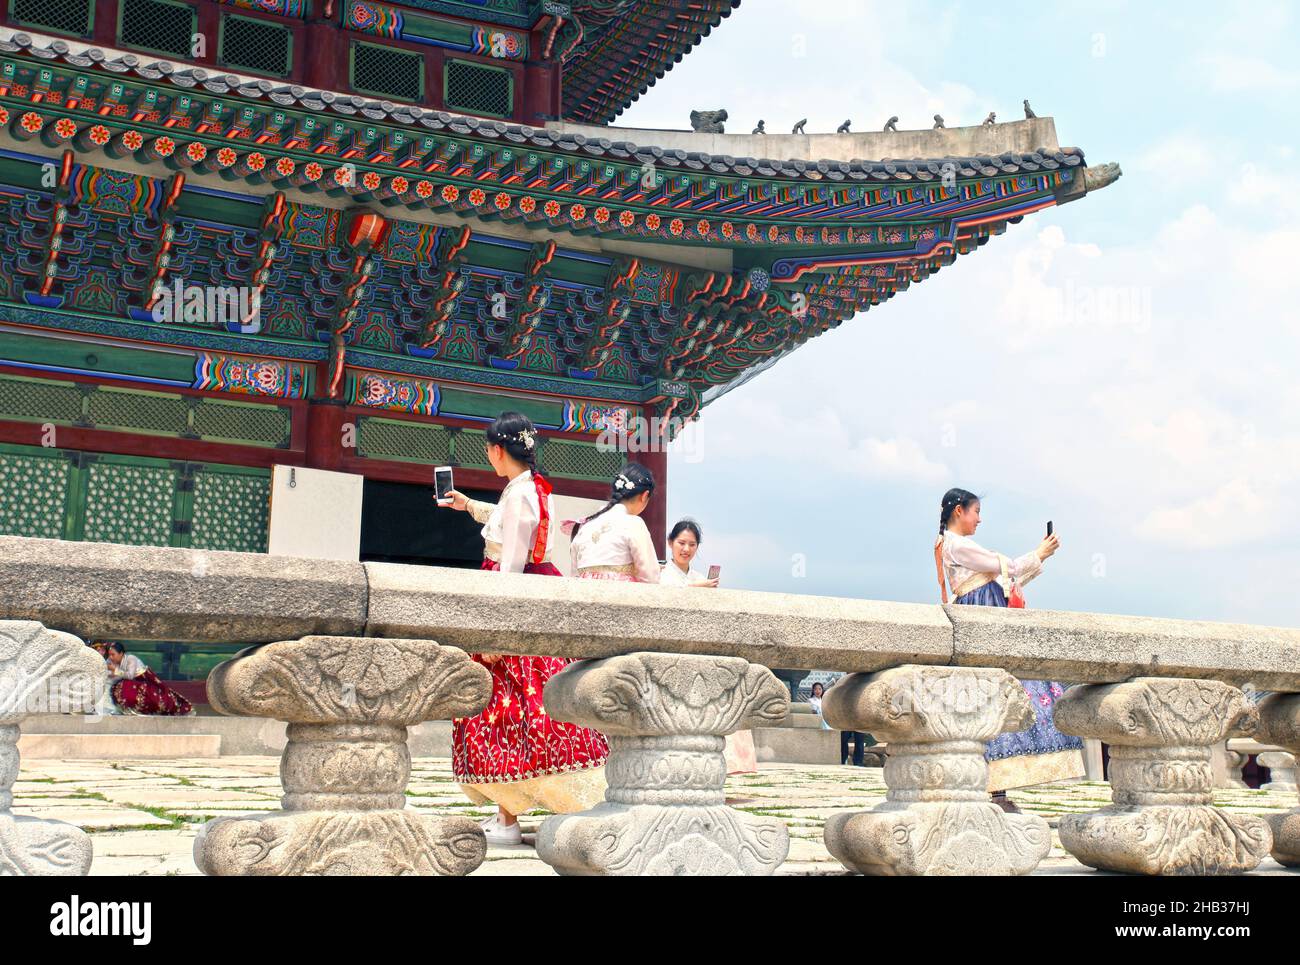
500	612
41	672
1102	648
136	592
100	590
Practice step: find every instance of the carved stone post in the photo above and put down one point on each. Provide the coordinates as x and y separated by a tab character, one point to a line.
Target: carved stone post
665	811
41	672
937	818
1281	770
348	702
1162	821
1279	723
1235	761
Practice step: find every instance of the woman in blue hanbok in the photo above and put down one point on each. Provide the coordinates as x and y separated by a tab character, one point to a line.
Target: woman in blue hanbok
980	577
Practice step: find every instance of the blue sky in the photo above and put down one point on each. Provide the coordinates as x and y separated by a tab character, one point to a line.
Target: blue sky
1161	432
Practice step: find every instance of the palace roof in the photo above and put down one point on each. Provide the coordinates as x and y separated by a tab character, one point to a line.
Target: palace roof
626	46
612	50
624	263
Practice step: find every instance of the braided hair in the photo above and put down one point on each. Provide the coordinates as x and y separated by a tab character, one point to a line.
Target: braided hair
951	500
632	480
516	434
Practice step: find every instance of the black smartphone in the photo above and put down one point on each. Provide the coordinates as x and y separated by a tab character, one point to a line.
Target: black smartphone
1049	528
442	482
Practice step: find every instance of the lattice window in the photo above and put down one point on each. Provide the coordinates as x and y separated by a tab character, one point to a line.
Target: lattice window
138	410
157	25
231	510
33	494
387	72
256	45
257	424
407	441
61	16
477	89
132	504
39	401
471	448
579	460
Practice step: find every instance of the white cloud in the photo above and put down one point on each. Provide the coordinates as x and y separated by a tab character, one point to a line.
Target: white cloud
1230	73
894	459
1234	513
757	427
1265	188
1179	160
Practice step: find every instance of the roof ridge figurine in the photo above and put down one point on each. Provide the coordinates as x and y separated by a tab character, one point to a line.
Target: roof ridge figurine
708	122
844	128
991	119
760	129
798	128
892	124
1029	111
938	122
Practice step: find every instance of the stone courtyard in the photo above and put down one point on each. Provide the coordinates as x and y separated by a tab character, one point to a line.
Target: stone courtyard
143	815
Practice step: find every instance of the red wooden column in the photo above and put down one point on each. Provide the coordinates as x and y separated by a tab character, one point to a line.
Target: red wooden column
322	60
656	514
326	419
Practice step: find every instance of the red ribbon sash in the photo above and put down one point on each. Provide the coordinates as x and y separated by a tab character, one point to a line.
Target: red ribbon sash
543	487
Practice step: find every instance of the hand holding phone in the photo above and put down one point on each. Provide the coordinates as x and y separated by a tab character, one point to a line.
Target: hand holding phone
1049	527
714	572
443	486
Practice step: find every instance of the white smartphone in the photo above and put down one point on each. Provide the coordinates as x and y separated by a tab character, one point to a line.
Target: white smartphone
443	484
715	571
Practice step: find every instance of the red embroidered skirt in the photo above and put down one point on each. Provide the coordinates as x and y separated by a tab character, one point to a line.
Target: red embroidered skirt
148	695
513	739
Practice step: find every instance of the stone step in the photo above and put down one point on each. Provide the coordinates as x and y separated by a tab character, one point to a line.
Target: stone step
104	746
130	736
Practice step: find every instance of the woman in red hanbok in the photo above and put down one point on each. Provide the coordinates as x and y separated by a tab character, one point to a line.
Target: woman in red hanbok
136	689
513	754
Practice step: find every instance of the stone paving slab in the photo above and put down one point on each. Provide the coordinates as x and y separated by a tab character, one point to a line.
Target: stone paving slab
89	815
109	800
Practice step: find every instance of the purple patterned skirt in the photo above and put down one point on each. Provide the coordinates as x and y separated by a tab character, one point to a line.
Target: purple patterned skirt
1042	737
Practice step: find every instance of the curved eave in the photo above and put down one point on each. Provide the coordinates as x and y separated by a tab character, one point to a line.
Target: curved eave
1011	154
604	80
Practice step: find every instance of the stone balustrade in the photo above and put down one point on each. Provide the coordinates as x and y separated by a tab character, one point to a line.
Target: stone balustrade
348	702
42	671
666	675
1279	723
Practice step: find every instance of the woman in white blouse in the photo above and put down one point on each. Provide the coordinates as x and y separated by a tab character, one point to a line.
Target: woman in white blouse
683	543
513	753
613	543
1041	754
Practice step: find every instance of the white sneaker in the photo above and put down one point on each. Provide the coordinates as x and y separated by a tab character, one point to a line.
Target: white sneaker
498	833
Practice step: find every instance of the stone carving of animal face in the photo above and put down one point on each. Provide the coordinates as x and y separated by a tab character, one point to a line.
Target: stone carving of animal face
708	122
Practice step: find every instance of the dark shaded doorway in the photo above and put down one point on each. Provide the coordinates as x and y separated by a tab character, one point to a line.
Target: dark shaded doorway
400	523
